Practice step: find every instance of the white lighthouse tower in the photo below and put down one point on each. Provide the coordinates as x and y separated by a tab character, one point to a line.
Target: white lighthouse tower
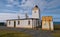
36	12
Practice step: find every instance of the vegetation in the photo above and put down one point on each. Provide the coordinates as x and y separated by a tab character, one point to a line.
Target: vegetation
9	33
2	24
57	27
56	32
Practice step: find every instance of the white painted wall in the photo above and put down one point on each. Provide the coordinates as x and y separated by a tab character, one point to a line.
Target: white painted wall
24	24
35	23
45	25
52	27
35	14
11	24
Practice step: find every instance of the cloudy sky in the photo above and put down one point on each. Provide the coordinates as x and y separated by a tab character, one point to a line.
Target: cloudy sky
10	9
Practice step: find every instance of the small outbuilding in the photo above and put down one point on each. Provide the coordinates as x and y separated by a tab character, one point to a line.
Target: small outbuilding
47	23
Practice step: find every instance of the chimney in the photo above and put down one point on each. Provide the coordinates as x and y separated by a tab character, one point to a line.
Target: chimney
26	15
18	17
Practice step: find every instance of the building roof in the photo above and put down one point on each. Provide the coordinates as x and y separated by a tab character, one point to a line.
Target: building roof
36	7
47	18
24	19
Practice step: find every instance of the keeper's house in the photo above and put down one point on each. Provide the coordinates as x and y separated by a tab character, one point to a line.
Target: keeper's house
23	23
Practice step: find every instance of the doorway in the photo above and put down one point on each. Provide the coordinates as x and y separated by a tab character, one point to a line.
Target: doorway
14	24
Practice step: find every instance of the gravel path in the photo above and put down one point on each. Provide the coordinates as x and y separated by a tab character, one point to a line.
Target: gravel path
34	33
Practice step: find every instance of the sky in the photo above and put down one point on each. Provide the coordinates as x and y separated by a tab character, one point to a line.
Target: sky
10	9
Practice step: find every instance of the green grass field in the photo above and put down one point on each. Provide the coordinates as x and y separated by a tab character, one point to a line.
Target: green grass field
9	33
56	32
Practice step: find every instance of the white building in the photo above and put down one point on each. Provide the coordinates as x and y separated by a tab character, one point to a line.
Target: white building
26	22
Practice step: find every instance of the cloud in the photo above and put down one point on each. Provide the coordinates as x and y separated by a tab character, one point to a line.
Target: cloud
6	16
28	3
52	4
47	7
24	4
10	1
8	5
7	11
52	7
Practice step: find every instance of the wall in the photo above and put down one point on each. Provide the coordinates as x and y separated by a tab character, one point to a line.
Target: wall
52	26
24	24
35	23
47	23
11	24
35	14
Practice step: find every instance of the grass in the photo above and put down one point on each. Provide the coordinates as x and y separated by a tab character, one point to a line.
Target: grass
56	33
9	33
